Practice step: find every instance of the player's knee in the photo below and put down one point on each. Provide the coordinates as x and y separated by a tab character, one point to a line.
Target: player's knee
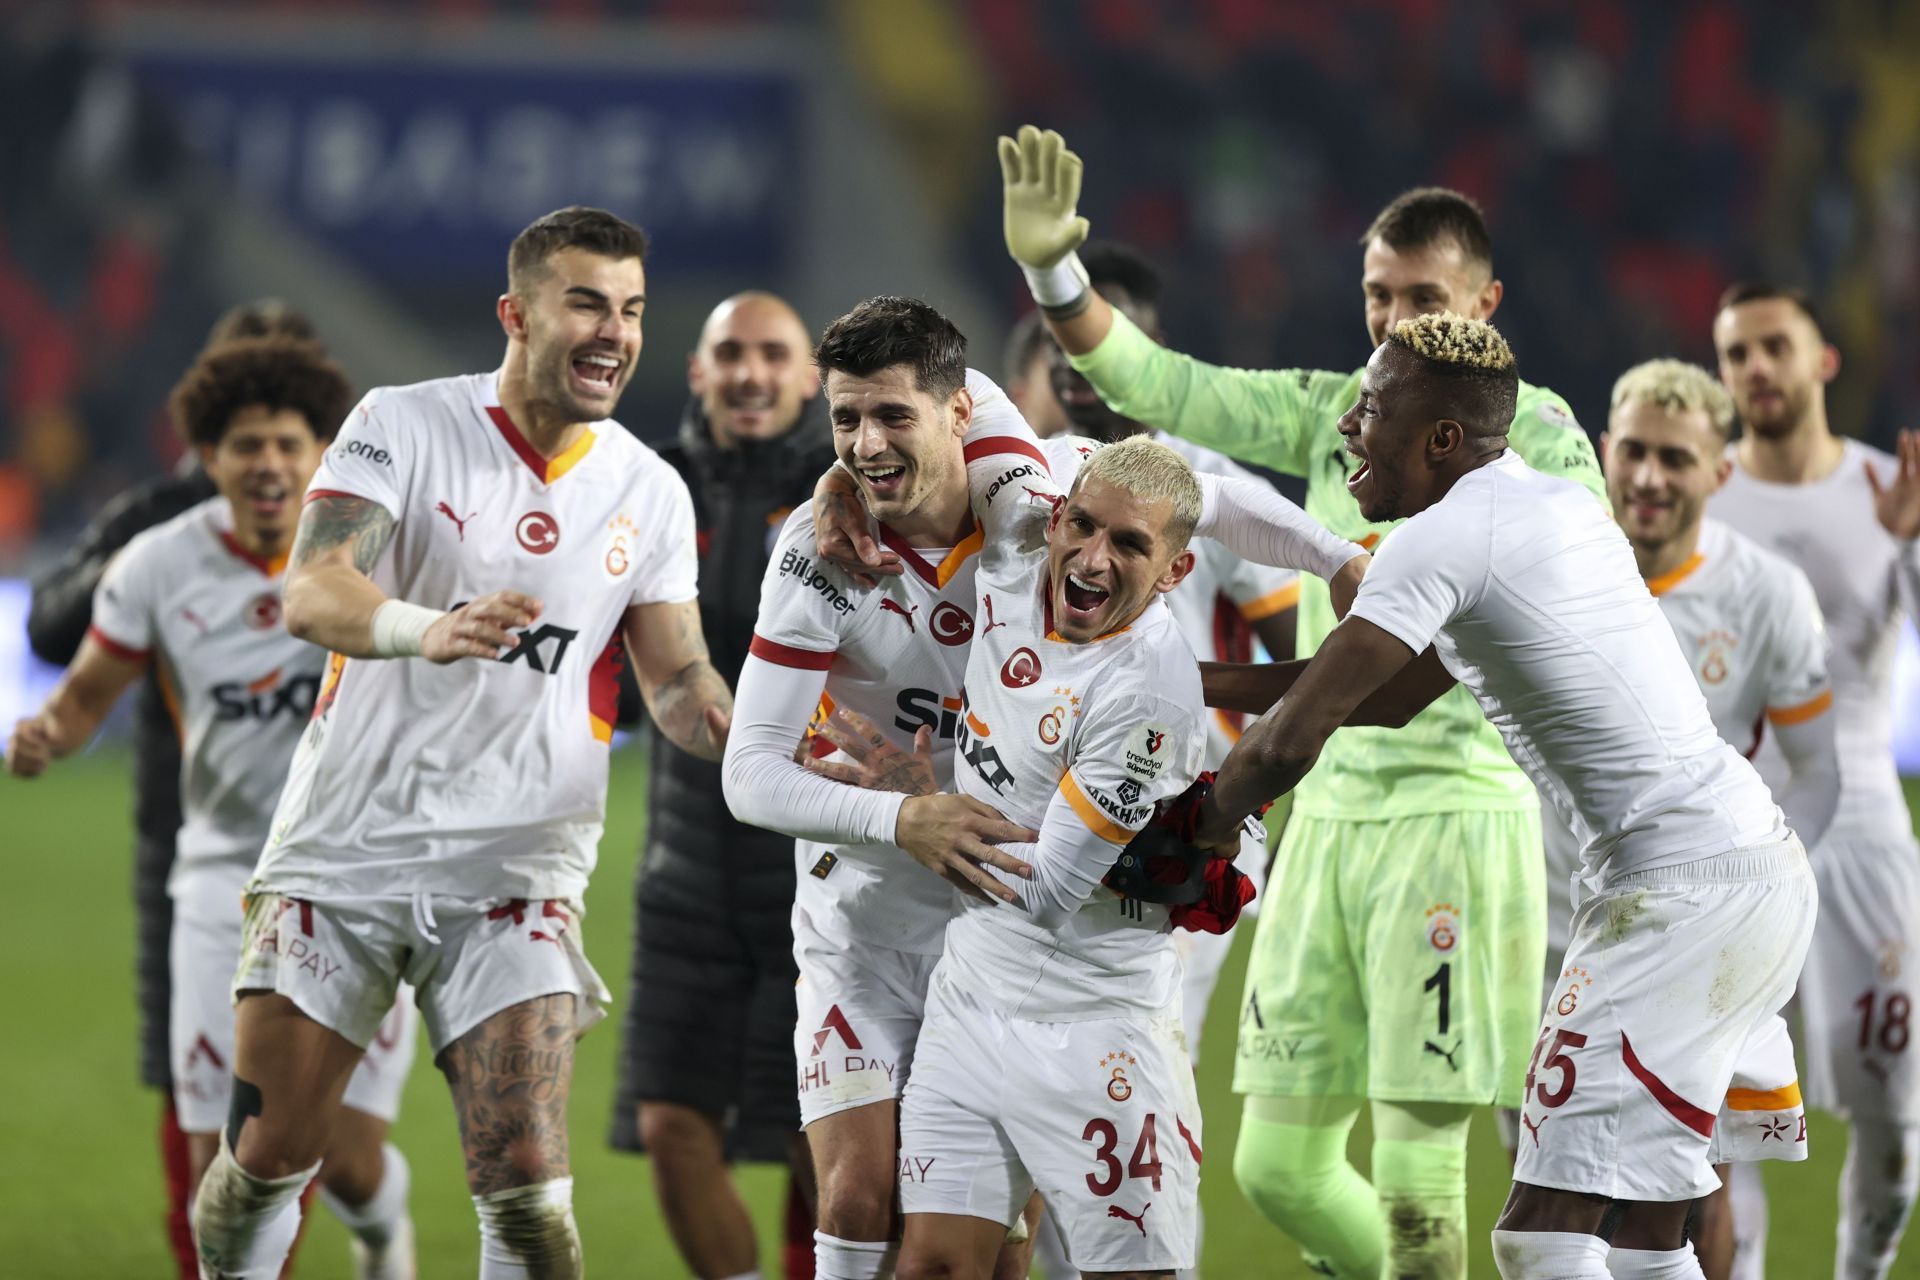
531	1226
1284	1178
673	1132
855	1208
920	1263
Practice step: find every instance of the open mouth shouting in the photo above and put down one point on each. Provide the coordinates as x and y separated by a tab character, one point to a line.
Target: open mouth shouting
596	373
268	499
884	480
1361	472
1083	600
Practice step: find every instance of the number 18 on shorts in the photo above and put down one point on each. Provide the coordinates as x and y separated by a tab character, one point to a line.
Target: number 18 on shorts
1100	1116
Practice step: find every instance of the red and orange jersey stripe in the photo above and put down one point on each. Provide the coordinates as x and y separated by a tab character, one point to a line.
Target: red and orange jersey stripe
1273	602
1785	1098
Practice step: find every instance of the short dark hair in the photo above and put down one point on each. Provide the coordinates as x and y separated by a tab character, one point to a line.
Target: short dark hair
1109	262
1417	218
886	331
1767	291
574	227
1027	342
262	318
280	373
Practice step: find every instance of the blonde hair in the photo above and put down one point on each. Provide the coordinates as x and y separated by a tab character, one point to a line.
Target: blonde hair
1446	338
1148	469
1677	387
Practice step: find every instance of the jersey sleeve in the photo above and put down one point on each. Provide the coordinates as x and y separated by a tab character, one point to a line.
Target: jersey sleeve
806	605
1259	591
669	569
1254	520
1549	439
371	458
1430	572
1263	416
1797	682
124	621
765	787
997	435
1131	749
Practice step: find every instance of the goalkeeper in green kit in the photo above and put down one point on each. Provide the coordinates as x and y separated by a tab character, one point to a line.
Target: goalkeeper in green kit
1398	954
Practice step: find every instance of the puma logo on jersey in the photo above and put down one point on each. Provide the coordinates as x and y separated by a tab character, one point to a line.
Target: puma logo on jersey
1431	1047
888	605
1137	1219
1534	1129
991	624
459	522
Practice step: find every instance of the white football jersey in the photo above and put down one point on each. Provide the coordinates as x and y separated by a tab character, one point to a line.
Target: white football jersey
1222	596
187	596
1529	592
897	655
1857	568
480	779
1750	629
1112	727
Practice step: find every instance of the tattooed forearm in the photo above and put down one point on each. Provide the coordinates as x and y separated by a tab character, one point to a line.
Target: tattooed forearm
338	520
510	1078
679	705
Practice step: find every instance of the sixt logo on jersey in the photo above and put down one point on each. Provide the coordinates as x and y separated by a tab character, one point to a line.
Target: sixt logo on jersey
971	740
1008	477
795	565
265	699
920	707
530	646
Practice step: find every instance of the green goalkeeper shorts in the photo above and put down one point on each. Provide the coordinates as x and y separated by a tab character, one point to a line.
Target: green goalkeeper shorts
1397	960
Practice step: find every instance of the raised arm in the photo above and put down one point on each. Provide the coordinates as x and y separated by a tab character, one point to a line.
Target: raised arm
686	697
75	709
1255	522
1264	416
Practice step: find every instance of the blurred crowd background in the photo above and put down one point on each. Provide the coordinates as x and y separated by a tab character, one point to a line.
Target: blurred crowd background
370	161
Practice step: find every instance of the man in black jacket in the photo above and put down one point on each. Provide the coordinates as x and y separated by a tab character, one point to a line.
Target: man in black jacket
57	620
706	1063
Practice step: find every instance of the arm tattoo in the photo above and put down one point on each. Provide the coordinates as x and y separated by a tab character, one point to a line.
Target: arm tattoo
680	701
338	520
510	1078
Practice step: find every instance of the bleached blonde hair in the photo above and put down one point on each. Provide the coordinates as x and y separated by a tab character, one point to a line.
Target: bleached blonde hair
1148	469
1446	338
1677	387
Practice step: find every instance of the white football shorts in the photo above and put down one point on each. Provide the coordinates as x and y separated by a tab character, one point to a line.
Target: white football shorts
341	960
204	949
1670	974
1100	1116
860	1011
1862	981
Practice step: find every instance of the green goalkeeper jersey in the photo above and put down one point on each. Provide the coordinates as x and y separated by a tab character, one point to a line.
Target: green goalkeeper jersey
1449	759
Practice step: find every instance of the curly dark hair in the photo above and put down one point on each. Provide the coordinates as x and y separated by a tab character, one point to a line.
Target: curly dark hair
280	373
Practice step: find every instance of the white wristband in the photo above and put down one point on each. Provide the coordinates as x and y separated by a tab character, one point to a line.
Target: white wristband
399	628
1059	284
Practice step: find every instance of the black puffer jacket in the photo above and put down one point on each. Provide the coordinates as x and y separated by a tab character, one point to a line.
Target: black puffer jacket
741	498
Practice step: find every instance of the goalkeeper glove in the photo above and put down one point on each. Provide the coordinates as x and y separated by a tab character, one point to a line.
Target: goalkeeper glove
1042	181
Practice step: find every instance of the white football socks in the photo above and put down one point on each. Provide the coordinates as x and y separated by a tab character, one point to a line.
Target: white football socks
382	1232
1549	1255
837	1259
1655	1264
243	1225
528	1232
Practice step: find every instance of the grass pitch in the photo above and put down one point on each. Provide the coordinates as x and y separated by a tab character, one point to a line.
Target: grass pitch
80	1188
